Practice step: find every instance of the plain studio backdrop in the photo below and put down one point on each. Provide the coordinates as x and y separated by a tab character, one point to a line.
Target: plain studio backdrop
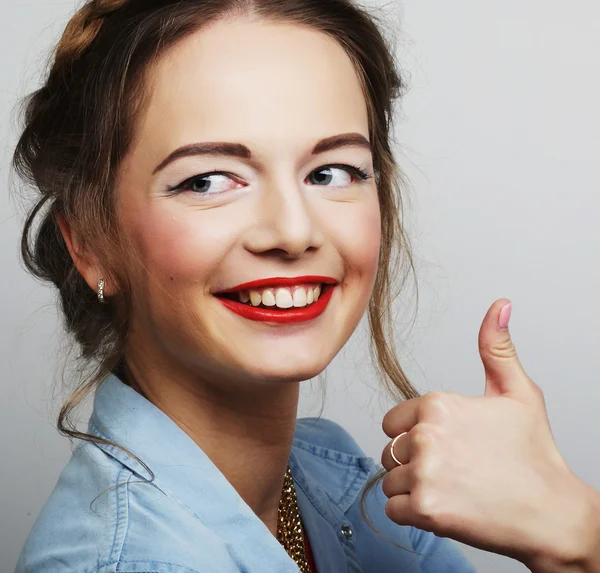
500	140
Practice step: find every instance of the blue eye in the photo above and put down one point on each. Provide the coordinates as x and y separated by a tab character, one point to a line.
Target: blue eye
202	184
218	182
326	174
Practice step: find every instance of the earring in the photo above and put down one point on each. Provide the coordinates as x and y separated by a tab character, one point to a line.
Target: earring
101	298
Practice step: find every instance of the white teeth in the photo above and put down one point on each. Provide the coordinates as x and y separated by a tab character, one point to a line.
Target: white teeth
282	297
268	298
300	297
255	298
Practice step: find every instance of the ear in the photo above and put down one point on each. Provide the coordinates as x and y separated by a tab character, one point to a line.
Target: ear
85	263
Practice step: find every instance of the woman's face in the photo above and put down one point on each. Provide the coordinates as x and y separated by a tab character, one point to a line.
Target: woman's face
268	94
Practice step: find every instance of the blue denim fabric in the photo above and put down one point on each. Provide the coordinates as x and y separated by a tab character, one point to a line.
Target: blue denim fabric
102	517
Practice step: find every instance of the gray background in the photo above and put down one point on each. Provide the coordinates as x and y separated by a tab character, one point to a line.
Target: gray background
500	136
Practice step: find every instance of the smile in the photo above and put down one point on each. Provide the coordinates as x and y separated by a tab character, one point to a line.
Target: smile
281	303
280	297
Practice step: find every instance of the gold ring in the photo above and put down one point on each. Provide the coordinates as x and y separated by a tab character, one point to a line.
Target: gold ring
392	449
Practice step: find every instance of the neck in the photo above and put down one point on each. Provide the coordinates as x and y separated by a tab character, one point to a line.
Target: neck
245	429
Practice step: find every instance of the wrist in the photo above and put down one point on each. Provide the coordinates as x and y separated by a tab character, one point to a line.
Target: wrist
590	552
576	549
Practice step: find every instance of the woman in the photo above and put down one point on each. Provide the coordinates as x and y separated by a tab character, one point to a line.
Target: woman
217	195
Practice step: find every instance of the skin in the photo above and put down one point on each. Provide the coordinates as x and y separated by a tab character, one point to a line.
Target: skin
482	470
486	471
233	384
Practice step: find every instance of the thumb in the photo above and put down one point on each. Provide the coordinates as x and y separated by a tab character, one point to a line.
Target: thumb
504	374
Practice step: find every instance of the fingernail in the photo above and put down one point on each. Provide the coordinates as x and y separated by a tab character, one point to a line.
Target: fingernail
505	315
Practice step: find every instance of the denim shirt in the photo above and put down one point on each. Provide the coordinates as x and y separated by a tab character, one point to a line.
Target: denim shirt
105	517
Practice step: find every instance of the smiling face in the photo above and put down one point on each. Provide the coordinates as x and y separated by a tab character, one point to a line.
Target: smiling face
281	195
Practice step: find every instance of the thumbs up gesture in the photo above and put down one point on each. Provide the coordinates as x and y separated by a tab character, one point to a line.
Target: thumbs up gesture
486	470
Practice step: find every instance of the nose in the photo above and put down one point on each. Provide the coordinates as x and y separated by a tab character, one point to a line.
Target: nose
286	220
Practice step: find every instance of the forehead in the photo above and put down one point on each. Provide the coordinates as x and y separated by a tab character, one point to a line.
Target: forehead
270	83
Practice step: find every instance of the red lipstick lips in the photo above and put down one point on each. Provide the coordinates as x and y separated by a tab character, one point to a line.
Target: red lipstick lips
282	316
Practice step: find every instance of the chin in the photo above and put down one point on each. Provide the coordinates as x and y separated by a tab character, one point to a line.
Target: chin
276	369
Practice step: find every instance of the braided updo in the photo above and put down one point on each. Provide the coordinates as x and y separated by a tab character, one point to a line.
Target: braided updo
79	125
83	28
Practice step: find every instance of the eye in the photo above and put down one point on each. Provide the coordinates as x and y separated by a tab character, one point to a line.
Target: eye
340	175
218	182
207	184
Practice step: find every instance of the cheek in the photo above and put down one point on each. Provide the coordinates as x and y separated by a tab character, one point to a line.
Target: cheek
180	248
358	238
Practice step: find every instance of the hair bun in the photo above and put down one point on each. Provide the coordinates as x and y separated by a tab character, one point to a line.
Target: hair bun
82	29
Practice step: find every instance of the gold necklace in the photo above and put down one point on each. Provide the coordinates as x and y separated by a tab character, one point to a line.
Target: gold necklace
289	524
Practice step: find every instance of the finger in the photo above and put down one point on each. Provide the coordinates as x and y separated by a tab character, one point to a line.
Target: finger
397	482
398	509
401	418
504	373
401	451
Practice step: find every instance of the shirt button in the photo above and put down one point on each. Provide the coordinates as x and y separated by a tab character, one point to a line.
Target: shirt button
347	531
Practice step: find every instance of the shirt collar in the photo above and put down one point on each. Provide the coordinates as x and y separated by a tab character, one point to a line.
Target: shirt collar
182	470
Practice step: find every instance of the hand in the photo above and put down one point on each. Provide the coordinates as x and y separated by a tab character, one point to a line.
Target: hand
486	471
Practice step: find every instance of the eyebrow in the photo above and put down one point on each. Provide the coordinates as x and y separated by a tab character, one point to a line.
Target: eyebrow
241	151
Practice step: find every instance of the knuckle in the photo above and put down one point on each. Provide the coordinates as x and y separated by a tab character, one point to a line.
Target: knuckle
424	435
433	397
423	473
423	503
500	348
421	435
437	405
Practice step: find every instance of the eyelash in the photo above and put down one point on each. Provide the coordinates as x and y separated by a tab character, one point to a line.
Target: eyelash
361	174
